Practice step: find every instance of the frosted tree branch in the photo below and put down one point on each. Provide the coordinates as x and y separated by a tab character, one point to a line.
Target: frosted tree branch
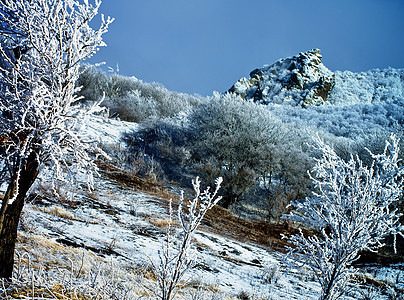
350	211
41	46
174	263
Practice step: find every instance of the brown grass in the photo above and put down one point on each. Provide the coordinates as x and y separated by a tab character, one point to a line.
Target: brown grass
129	180
162	223
124	178
57	211
218	220
56	292
93	195
221	221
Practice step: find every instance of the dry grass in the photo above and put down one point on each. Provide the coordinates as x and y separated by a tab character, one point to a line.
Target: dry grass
61	193
163	223
55	291
57	211
367	280
93	195
112	196
217	220
130	181
220	221
45	253
49	270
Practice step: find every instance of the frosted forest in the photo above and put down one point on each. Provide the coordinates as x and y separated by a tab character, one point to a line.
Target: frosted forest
288	185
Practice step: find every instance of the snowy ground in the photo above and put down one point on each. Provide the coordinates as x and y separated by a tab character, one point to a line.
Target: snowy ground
125	226
117	225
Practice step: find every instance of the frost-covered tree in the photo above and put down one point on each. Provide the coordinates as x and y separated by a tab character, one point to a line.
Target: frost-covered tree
175	261
131	99
42	44
240	141
351	210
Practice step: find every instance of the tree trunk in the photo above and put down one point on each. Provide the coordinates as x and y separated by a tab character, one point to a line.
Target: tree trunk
270	202
10	213
229	198
226	202
327	292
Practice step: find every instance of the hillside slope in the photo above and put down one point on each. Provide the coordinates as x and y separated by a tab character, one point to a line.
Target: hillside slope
99	244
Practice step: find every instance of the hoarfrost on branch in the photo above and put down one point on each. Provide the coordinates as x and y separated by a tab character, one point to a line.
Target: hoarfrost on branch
42	44
352	210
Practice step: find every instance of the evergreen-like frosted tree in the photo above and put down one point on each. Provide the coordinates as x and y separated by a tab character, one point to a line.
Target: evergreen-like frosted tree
42	44
351	210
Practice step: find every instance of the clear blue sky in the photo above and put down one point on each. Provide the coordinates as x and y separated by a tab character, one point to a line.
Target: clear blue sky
199	46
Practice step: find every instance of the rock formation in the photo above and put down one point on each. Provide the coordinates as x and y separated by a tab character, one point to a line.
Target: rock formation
300	80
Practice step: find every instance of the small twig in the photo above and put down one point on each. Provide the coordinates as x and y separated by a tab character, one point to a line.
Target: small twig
4	288
81	266
33	285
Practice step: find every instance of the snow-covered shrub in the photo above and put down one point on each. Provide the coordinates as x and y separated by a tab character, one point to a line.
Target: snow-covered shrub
370	293
174	261
349	128
351	210
131	99
237	140
270	273
367	87
131	107
92	83
355	122
163	141
244	142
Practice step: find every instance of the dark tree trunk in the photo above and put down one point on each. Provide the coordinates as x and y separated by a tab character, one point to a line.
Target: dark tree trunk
326	293
229	198
226	202
10	213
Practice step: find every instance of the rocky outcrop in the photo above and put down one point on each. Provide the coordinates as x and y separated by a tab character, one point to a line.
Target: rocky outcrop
299	80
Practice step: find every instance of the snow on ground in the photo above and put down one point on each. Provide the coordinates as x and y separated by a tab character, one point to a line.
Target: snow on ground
118	224
105	130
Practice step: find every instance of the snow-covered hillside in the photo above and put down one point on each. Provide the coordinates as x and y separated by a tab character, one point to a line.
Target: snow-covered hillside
100	243
100	175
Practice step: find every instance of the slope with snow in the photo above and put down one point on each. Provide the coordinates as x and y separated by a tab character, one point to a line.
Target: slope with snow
121	228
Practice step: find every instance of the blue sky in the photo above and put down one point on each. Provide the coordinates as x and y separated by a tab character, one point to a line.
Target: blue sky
199	46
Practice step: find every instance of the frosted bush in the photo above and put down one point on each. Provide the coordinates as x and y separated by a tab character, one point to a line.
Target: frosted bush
164	142
356	122
367	87
132	99
270	273
351	210
242	142
175	260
